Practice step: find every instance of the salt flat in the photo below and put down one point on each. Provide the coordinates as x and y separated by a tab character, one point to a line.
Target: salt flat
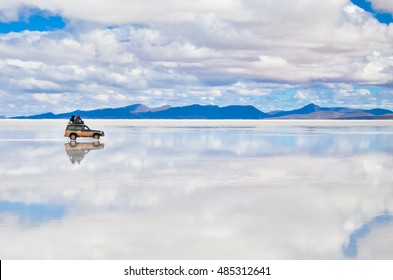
197	189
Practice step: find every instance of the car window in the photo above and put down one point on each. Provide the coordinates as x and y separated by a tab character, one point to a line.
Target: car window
78	128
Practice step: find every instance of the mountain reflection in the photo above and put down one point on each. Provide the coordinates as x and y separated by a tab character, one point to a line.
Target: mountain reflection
76	151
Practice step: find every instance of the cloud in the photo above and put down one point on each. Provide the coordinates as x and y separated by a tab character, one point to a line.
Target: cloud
130	11
382	5
9	10
144	50
303	95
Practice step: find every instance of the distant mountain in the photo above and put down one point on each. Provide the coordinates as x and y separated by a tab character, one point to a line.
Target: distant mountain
139	111
135	111
208	112
2	117
313	111
40	116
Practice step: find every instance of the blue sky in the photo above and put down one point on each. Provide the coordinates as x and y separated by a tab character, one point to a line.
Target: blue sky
280	54
381	15
33	20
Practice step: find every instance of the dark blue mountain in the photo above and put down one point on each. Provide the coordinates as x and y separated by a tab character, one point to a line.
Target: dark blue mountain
139	111
40	116
134	111
313	111
310	108
128	112
208	112
378	112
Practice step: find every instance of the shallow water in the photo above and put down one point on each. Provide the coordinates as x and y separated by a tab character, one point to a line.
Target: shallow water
197	190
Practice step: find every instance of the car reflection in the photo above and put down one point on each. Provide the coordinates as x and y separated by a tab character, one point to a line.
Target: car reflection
76	151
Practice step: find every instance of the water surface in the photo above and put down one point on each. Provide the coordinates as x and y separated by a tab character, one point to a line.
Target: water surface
197	190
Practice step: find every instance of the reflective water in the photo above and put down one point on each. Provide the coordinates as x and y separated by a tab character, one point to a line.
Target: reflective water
197	190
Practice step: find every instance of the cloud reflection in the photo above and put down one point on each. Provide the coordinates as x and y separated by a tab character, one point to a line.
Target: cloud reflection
154	192
32	213
351	250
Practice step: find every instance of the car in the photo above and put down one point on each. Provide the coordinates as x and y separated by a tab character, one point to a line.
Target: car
81	130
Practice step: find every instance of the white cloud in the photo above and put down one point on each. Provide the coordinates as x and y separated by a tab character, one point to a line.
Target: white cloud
303	95
131	11
50	99
383	5
375	69
34	84
8	10
183	46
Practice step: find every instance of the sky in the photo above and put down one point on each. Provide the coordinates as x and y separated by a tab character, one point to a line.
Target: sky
58	56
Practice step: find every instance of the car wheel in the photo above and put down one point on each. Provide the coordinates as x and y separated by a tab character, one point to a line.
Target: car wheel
73	136
96	136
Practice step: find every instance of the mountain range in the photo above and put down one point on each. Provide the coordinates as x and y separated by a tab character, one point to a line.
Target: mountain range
139	111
